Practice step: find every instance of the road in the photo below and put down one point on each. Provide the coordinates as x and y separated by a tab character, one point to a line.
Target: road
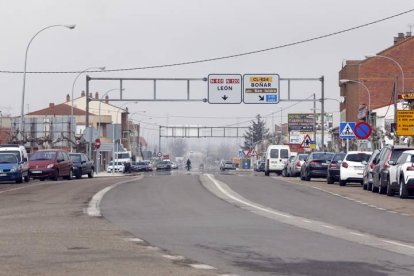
183	223
256	225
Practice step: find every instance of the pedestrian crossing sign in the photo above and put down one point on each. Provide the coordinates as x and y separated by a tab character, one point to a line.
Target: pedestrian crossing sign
306	142
346	130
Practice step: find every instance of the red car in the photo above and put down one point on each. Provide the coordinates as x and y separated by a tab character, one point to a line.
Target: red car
50	163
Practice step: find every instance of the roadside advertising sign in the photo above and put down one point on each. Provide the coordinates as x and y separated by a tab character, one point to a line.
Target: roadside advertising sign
224	88
261	88
405	122
303	122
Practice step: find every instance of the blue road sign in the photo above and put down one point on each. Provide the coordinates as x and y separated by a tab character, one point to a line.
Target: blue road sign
346	130
271	98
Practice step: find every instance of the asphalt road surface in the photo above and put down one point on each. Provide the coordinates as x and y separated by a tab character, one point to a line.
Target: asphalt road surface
256	225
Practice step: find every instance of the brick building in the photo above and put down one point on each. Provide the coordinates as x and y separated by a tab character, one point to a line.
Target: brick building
378	75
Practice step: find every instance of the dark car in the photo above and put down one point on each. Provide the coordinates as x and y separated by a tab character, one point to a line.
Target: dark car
261	166
334	168
82	165
10	168
367	173
50	163
380	173
164	166
316	165
139	166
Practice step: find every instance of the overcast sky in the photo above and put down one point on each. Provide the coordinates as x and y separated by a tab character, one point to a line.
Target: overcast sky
131	33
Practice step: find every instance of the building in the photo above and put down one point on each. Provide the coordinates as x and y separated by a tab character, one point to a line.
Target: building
372	81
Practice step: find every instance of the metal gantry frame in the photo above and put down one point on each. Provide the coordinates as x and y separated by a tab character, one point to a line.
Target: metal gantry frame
188	97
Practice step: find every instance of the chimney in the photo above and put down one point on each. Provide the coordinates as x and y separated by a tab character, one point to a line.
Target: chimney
51	105
83	94
67	98
106	99
399	38
96	96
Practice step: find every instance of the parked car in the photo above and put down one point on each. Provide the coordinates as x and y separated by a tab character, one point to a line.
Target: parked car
261	166
227	165
285	169
352	167
22	157
50	163
367	173
148	164
82	165
10	168
139	166
276	158
316	165
174	166
164	166
334	167
293	168
380	173
402	175
115	167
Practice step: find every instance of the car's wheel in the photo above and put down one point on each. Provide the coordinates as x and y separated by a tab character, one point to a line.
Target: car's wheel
373	188
267	173
284	173
26	178
329	180
403	193
390	191
342	182
90	174
369	186
55	175
19	180
301	176
70	176
78	173
382	190
307	177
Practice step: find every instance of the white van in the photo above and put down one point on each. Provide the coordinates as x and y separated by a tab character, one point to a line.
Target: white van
22	157
276	158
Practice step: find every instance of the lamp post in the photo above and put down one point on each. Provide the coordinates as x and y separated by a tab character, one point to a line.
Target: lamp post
396	62
73	88
99	109
24	72
113	137
342	81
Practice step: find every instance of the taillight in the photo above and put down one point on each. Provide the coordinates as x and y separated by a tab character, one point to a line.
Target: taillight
345	165
332	166
313	163
410	168
372	165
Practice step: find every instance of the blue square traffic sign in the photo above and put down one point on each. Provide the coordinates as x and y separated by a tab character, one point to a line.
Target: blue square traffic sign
271	98
346	130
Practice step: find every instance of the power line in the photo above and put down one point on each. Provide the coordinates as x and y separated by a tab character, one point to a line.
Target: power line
222	57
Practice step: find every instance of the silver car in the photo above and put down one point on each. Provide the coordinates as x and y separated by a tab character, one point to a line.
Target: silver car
293	167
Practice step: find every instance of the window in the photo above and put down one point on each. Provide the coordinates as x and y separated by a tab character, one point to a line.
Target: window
43	155
274	153
358	157
284	153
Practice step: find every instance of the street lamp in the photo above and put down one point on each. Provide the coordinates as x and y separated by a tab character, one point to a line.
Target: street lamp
73	88
342	81
99	109
113	137
393	60
24	72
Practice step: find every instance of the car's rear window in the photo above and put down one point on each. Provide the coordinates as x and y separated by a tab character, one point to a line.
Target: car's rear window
302	157
322	156
338	157
284	153
8	158
396	153
75	157
358	157
274	153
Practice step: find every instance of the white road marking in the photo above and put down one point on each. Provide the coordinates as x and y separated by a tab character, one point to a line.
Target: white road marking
313	225
135	240
174	257
93	209
202	266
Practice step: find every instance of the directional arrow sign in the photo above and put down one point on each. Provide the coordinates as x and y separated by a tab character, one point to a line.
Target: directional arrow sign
224	88
265	86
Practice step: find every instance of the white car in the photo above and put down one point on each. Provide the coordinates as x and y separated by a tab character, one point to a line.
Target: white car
402	175
352	167
119	167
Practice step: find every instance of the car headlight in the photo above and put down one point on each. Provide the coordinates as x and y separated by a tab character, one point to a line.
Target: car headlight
50	166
